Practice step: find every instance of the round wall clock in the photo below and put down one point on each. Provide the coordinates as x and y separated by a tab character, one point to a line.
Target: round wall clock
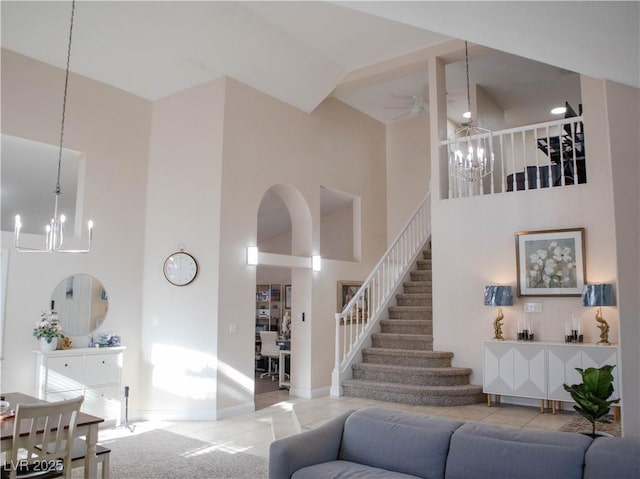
180	268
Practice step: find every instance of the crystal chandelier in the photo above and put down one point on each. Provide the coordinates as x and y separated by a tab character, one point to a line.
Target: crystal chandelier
470	153
54	237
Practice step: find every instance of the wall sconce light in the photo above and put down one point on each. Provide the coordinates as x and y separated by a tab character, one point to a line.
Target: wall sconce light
316	262
599	295
252	255
498	296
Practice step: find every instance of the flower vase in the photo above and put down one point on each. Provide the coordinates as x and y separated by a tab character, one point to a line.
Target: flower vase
45	346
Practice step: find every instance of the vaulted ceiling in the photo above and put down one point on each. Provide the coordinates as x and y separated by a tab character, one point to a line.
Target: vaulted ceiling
370	55
300	52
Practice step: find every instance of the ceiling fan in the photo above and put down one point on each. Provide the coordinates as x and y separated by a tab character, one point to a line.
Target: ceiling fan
415	107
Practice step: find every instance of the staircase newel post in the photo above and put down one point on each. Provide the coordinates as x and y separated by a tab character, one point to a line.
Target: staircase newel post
335	377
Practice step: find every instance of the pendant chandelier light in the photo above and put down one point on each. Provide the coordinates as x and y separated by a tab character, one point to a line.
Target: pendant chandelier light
54	237
470	153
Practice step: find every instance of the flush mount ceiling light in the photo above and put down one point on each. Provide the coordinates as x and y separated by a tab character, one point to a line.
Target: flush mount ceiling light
559	110
54	237
470	149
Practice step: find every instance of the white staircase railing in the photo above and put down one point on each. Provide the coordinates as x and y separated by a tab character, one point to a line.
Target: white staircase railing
360	316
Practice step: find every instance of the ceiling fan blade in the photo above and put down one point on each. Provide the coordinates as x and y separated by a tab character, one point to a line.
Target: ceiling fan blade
401	116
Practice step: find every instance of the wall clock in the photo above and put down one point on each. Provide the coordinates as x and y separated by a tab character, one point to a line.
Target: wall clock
180	268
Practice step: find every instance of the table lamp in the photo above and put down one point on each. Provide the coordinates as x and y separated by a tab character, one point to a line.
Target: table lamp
599	295
498	296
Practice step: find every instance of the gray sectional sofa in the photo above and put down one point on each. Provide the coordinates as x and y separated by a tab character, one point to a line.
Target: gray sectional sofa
375	443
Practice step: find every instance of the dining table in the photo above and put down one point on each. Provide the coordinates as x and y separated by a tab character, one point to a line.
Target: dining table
87	426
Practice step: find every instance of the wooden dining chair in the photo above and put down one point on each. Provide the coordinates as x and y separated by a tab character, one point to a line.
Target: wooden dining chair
51	423
79	454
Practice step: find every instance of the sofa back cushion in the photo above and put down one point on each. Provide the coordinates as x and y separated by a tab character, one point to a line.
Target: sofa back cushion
482	450
613	457
396	441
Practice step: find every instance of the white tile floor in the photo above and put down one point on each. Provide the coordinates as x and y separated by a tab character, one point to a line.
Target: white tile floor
279	415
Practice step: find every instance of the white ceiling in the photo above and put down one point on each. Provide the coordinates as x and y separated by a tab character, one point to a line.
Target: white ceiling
299	52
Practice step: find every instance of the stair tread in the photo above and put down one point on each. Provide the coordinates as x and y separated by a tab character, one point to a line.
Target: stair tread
410	308
406	321
436	371
408	352
402	335
442	390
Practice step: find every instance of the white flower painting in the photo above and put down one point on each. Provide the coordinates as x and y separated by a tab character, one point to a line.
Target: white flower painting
550	262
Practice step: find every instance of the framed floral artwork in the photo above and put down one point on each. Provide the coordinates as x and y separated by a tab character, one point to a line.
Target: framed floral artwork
550	262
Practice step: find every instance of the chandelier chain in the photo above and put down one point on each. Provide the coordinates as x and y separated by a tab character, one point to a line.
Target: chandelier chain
466	56
64	98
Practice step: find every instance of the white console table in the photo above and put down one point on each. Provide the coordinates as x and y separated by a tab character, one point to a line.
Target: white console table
92	372
538	369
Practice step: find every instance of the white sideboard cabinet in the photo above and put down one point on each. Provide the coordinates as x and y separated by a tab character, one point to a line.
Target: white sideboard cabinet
538	370
92	372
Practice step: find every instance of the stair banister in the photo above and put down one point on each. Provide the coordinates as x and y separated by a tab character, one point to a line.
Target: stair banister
357	320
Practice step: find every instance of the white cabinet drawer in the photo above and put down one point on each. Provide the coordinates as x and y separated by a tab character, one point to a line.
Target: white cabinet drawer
64	395
102	369
65	373
105	402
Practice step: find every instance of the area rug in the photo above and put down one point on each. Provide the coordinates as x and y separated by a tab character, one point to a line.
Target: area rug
160	454
580	424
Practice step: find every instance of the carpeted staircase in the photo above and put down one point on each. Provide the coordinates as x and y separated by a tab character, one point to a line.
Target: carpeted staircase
402	365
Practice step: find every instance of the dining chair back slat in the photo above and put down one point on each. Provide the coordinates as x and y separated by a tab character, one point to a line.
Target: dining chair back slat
52	424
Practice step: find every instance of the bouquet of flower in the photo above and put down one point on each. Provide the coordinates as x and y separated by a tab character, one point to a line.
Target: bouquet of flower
48	327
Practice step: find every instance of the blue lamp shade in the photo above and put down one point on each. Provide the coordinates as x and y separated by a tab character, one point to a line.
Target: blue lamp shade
498	296
597	295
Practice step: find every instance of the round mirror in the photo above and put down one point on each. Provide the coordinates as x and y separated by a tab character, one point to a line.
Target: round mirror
81	303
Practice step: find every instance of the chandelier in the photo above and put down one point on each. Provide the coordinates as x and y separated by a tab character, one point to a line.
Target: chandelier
54	237
470	154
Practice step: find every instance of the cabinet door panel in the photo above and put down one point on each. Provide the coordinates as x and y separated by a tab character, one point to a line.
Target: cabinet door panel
597	357
102	369
498	368
529	371
65	373
562	362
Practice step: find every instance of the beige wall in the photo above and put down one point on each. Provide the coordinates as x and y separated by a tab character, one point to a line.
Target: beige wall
179	324
267	142
112	128
408	170
473	245
623	116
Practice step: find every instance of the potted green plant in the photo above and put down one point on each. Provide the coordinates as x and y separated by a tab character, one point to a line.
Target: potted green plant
48	330
592	395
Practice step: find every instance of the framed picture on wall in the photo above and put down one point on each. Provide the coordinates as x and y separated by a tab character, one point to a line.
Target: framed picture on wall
551	262
346	291
287	296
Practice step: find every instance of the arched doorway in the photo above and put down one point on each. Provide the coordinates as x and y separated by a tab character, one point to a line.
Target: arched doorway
284	233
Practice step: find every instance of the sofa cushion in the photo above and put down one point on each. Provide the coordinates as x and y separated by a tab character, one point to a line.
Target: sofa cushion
346	470
482	450
397	441
617	457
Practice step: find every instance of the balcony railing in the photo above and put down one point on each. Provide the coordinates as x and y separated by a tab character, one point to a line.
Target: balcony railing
360	316
543	155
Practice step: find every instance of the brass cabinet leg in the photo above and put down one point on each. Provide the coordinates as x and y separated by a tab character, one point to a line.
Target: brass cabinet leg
616	413
488	400
542	405
553	407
